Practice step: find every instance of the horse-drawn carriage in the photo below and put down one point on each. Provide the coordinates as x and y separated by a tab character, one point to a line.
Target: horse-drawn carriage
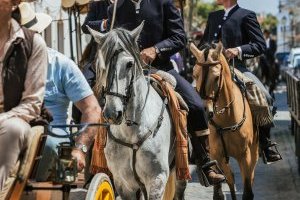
64	176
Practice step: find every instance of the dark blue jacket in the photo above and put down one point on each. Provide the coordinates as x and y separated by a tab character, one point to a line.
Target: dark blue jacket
163	27
97	12
239	29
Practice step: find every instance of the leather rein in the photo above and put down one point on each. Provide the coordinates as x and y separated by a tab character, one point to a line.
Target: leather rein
125	99
220	130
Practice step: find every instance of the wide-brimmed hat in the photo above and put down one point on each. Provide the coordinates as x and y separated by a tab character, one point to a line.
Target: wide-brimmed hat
34	21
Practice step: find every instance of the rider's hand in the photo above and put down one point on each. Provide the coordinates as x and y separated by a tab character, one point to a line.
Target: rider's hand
231	53
80	157
148	55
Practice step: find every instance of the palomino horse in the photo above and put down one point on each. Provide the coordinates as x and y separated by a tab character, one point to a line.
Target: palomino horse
140	144
232	132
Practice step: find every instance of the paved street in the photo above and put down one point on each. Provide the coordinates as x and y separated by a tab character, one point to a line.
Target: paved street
279	181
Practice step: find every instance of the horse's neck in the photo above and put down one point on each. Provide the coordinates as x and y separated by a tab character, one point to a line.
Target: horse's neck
231	98
144	108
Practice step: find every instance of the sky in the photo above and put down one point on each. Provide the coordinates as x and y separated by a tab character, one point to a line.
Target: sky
266	6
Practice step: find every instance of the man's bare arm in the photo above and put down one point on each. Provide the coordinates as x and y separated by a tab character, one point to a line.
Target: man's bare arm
91	112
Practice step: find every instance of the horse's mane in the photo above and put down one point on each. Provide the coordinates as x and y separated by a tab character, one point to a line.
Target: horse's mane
115	40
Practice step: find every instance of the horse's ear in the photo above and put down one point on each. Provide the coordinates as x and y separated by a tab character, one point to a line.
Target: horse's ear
196	52
137	31
99	37
218	50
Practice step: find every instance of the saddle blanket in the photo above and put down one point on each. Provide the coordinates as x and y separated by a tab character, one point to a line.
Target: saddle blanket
257	100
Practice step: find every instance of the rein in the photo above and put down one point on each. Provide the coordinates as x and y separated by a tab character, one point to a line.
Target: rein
124	98
221	130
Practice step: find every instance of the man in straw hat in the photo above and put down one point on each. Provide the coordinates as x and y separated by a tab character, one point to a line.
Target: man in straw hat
23	66
65	84
162	36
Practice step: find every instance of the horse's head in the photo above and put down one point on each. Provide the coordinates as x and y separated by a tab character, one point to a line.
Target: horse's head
119	53
208	70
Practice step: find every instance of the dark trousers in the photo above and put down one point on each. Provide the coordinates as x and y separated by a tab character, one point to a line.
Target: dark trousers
196	119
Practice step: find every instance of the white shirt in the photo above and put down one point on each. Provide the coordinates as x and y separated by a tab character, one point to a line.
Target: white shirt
34	86
268	43
228	10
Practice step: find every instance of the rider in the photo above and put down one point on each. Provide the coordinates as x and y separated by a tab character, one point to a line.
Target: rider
23	65
65	84
242	38
162	36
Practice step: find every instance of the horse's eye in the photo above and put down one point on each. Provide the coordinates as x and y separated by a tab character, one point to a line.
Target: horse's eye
129	65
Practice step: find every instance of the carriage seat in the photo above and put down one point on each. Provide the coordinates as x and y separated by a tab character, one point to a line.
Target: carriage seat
17	180
172	81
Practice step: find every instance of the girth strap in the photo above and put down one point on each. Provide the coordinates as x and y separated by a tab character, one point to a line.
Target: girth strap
136	146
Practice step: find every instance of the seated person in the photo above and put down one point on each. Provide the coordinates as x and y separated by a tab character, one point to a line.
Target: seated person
23	64
65	84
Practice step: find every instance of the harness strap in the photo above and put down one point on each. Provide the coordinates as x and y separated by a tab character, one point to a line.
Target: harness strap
221	130
136	146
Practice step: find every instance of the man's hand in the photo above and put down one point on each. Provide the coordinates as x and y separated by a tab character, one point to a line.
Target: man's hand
148	55
231	53
80	157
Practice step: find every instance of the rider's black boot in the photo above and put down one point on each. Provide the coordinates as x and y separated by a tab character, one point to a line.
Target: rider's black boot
268	148
207	175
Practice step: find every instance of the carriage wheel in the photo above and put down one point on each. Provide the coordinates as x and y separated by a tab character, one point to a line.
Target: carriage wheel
100	188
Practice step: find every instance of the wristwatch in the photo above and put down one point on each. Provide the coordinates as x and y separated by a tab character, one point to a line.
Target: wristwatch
157	51
81	147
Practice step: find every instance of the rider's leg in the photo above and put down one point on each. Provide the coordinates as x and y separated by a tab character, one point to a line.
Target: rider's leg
197	126
49	155
13	140
264	131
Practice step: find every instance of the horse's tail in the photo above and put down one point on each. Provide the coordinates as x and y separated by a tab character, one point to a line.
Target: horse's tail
170	186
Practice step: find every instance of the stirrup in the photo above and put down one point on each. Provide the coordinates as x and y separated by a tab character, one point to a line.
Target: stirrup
203	179
274	148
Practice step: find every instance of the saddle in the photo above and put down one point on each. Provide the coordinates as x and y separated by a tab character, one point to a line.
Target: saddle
257	100
172	81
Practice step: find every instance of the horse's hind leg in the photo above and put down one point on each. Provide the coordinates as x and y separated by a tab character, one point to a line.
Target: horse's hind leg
247	172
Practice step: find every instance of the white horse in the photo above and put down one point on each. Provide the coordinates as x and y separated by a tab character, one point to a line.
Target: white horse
141	142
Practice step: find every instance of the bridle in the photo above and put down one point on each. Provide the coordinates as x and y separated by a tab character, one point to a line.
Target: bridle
206	67
128	91
125	99
220	130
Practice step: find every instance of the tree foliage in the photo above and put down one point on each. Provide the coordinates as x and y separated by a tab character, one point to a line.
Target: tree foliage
269	22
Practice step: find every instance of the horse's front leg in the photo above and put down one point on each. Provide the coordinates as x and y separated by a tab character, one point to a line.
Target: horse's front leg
157	186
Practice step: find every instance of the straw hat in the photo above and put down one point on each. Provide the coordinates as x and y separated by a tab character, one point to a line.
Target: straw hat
34	21
67	3
70	3
82	2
